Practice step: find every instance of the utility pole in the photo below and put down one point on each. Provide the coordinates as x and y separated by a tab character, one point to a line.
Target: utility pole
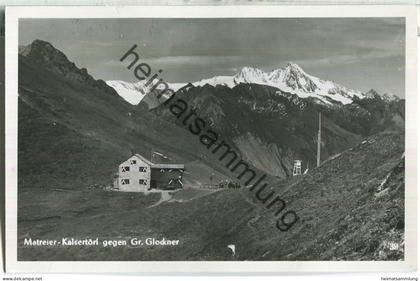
318	154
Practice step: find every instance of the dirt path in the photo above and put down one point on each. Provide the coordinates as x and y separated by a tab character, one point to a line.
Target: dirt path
165	196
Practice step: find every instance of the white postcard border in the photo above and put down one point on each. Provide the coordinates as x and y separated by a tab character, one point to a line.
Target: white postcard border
13	14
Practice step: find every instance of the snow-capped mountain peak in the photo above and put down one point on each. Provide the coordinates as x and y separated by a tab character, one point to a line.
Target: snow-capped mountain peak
295	78
390	97
131	92
293	67
372	94
250	75
291	78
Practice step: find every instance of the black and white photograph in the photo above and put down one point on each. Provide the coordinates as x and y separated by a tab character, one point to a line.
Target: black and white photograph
263	139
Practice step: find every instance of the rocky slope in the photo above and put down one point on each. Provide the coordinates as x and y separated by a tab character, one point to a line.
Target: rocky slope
271	128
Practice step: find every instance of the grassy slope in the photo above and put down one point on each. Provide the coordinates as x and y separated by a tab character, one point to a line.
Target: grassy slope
54	156
343	216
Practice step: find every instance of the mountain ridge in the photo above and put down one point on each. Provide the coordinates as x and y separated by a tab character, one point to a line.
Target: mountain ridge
43	54
291	78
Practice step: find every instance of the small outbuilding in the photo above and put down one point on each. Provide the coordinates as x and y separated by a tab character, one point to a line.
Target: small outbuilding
138	174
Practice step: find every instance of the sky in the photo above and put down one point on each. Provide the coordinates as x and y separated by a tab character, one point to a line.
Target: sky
359	53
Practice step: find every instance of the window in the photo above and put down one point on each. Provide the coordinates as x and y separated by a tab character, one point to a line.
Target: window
142	169
142	182
125	181
126	168
133	162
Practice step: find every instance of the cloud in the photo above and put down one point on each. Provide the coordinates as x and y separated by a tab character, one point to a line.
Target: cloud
185	60
349	59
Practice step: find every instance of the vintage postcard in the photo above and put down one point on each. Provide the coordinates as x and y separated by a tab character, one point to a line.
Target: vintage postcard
200	139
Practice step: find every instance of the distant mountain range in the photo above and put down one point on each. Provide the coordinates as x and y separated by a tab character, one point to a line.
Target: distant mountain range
292	79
